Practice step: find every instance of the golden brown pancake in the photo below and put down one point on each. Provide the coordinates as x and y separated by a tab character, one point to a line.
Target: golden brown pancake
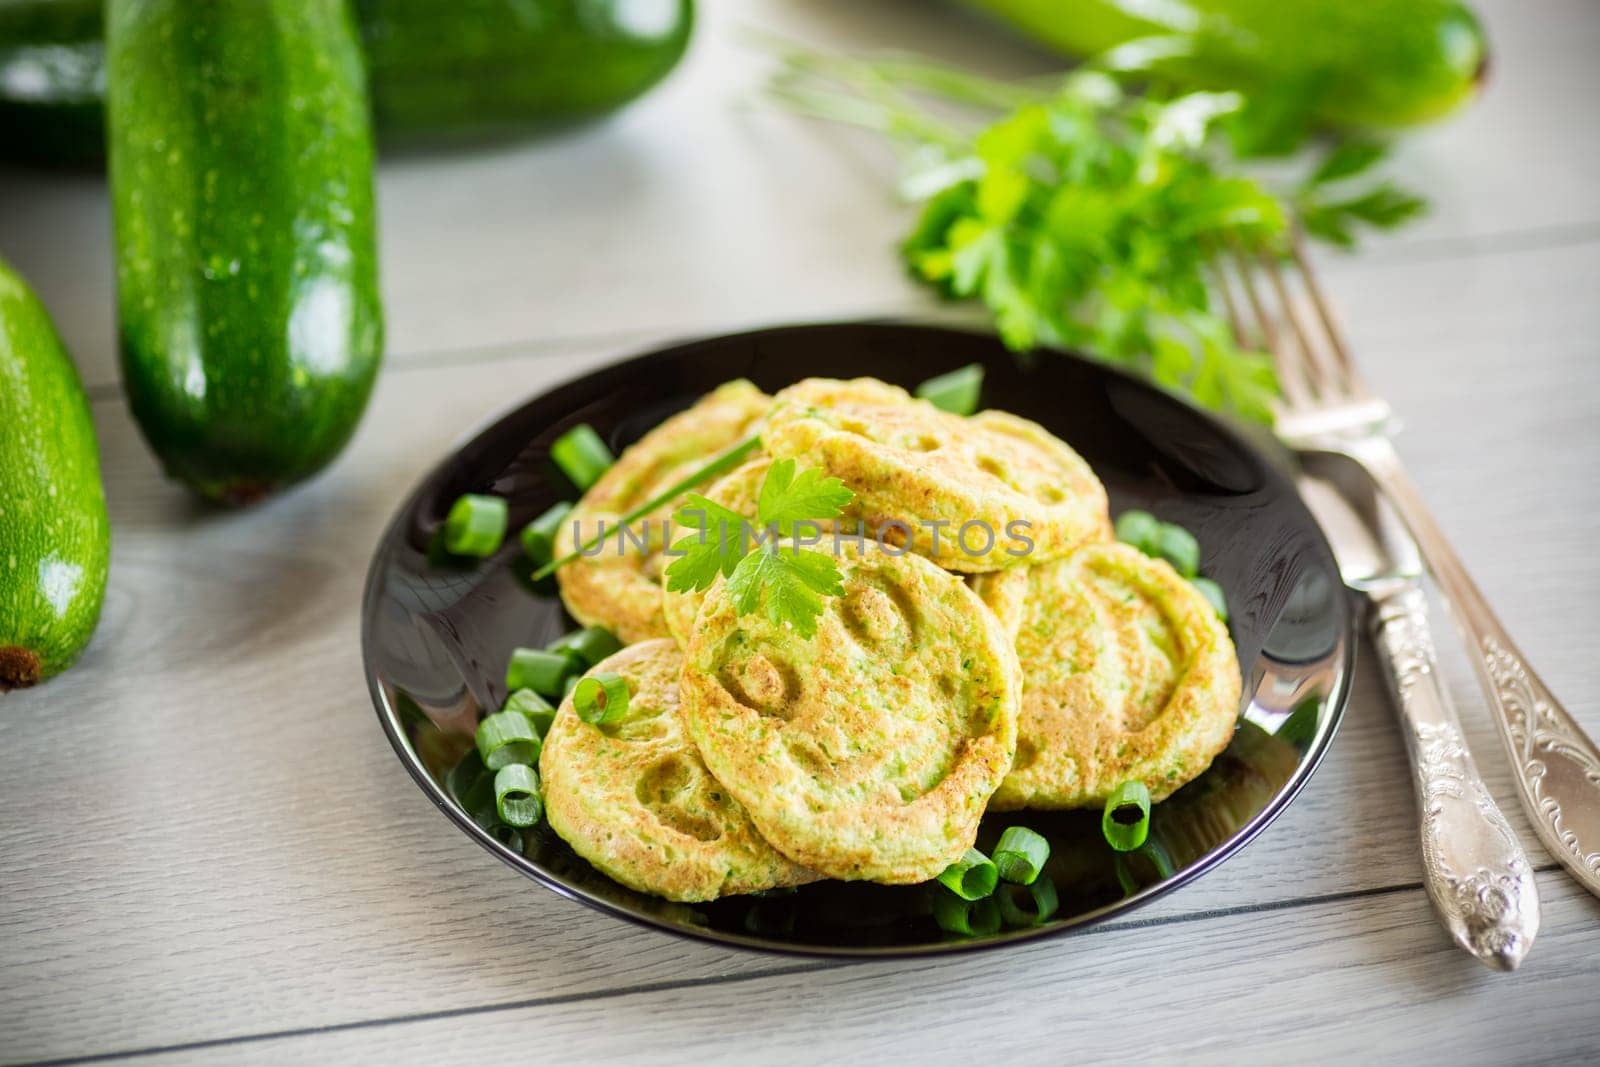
622	590
634	799
1128	674
911	464
870	750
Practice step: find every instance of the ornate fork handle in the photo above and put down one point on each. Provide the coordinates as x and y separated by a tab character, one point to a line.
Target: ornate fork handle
1555	764
1473	865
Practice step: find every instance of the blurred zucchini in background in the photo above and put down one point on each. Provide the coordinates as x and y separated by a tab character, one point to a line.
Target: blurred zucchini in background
241	187
52	82
55	540
1376	63
474	68
439	71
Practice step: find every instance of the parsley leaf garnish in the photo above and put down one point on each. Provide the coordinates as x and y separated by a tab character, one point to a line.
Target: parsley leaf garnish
1089	215
709	551
788	581
788	497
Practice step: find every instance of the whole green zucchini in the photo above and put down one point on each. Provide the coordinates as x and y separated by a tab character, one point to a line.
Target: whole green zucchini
241	185
1368	62
437	70
55	542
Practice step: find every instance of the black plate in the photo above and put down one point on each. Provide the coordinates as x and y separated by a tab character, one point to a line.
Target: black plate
436	635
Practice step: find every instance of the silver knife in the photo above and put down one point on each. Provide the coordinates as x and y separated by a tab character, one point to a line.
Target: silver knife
1474	867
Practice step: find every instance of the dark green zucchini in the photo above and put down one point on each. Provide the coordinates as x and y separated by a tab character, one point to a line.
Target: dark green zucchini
55	542
241	184
438	70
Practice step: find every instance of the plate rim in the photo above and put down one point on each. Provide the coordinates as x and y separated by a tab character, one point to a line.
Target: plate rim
389	718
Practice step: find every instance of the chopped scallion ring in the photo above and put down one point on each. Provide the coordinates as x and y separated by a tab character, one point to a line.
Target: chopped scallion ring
1020	855
539	670
1139	529
970	877
1126	819
509	836
582	456
965	917
539	536
569	685
956	392
507	737
1178	547
1041	897
591	645
601	697
535	707
1213	592
475	526
469	781
516	795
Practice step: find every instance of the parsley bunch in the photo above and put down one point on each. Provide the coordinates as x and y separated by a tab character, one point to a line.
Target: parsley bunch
1083	214
789	581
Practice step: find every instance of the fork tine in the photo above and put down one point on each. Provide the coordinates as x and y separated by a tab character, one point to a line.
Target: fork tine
1291	373
1320	367
1353	382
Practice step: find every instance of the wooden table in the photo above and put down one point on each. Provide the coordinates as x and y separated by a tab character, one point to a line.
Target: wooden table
208	850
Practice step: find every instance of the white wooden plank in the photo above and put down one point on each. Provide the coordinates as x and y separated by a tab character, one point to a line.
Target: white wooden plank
1366	977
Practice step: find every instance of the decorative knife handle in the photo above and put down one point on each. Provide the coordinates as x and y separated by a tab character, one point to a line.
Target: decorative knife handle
1555	764
1473	865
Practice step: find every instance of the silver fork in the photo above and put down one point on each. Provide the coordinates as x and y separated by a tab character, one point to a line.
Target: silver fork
1327	406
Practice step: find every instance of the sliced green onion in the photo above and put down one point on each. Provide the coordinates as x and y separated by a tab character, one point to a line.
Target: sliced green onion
582	456
534	707
516	795
1139	529
539	536
509	836
956	392
1301	725
965	917
1042	902
466	781
601	697
539	670
1126	819
769	920
1178	547
475	526
1020	855
591	645
1213	592
507	737
569	685
970	877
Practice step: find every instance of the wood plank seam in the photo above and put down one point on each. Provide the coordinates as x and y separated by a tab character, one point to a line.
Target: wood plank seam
647	988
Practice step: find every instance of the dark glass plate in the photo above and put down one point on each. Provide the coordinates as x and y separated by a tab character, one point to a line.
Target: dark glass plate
436	633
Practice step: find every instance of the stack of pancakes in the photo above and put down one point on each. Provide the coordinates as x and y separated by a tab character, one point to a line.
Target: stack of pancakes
943	682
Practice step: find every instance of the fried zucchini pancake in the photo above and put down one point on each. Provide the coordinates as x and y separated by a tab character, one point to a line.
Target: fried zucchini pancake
622	590
1005	593
1128	673
869	750
912	464
634	799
